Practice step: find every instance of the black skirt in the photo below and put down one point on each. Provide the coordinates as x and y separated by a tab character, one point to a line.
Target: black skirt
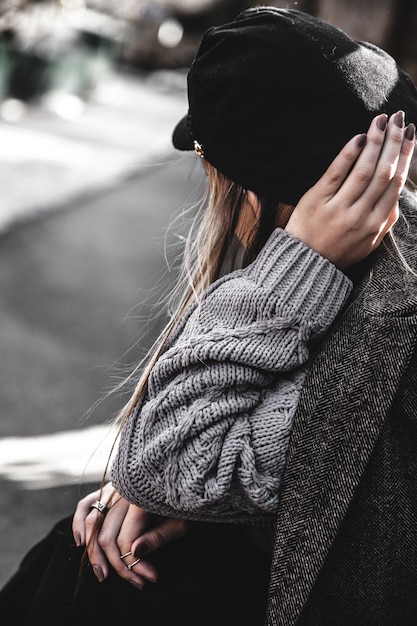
214	576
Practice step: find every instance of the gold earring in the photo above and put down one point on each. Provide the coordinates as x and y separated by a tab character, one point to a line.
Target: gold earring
198	149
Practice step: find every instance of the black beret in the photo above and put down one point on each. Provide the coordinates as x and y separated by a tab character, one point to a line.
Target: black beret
276	93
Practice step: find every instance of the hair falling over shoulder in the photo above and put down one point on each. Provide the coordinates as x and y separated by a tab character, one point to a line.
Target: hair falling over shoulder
209	232
210	236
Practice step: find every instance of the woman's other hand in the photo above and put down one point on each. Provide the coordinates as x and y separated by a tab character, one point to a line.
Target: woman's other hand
125	530
349	210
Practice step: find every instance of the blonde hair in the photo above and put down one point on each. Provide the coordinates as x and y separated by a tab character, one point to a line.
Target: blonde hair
209	239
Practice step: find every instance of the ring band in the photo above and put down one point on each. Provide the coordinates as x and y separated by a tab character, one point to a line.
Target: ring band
100	506
129	567
123	556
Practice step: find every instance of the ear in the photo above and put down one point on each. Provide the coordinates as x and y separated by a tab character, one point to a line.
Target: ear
254	203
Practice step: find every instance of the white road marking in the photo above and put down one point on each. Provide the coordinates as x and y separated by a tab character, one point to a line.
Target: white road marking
64	458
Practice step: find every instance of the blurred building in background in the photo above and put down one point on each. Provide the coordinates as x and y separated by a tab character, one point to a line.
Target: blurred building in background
53	53
64	45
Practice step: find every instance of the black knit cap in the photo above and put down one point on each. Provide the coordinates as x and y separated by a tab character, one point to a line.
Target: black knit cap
276	93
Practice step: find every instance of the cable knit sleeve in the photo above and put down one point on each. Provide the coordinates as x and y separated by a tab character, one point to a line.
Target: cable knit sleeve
209	439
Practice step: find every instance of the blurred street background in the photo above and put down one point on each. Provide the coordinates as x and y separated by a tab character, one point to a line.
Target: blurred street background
90	91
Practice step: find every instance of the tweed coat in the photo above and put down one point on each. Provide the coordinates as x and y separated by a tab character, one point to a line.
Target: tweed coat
345	548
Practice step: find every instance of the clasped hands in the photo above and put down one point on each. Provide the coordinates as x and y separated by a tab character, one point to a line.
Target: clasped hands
122	536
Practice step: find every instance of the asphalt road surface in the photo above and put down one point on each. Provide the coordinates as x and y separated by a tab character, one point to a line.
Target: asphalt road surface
77	288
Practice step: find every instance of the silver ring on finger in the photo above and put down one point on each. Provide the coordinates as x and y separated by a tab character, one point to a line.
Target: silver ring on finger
100	506
123	556
129	567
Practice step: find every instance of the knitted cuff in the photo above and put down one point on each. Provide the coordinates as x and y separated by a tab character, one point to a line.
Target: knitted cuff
306	280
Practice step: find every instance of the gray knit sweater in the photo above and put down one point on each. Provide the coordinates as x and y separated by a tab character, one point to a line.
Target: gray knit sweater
209	439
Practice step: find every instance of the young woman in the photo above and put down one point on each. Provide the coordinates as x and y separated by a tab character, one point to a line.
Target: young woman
265	471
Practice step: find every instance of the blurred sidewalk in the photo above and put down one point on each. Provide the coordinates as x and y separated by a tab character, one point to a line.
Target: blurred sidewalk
79	287
49	156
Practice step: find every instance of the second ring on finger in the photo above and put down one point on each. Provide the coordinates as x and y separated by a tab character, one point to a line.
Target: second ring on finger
129	565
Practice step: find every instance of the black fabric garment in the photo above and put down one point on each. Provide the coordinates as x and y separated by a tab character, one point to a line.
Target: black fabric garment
214	575
345	551
369	576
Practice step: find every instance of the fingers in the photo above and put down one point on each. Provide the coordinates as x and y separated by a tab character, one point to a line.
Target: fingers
167	530
364	171
338	170
160	533
122	536
391	193
88	522
378	172
371	164
84	508
101	536
346	222
353	168
130	525
382	167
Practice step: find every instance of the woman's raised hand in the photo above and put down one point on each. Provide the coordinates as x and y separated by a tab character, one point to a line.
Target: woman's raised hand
346	214
122	535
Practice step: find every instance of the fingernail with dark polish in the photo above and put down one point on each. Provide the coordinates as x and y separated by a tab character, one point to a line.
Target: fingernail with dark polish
410	132
98	573
141	550
77	538
361	141
382	122
399	119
